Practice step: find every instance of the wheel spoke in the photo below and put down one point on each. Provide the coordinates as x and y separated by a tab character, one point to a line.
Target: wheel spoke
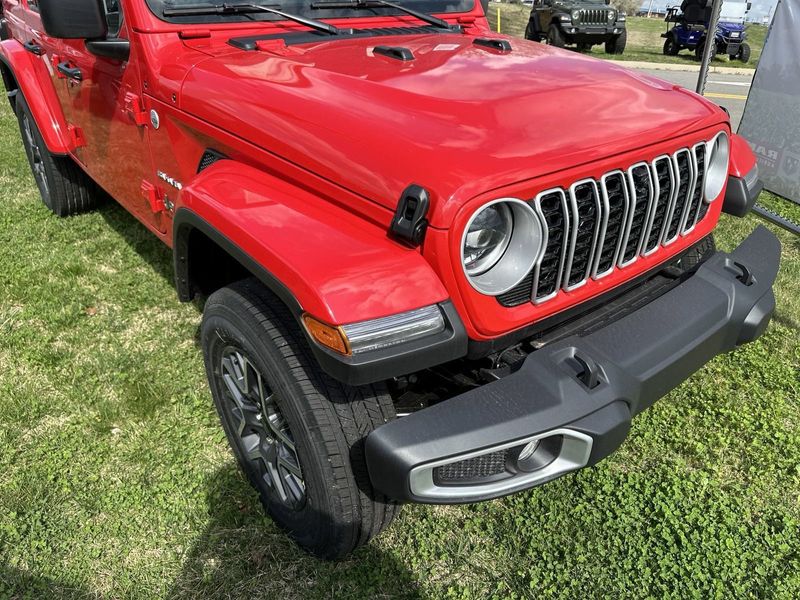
277	482
278	427
263	432
291	465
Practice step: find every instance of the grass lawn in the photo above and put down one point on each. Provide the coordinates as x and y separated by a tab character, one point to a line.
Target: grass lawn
644	38
116	480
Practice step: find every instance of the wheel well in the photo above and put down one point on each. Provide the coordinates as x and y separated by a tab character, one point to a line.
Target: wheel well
10	82
203	266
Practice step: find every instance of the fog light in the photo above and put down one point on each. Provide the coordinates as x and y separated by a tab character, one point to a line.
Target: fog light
528	450
538	454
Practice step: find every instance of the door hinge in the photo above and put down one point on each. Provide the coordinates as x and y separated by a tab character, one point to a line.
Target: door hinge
76	136
135	109
153	197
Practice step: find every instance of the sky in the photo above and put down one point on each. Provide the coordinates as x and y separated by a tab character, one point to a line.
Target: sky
760	8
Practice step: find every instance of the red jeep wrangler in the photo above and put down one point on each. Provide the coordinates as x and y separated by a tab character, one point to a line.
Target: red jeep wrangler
440	265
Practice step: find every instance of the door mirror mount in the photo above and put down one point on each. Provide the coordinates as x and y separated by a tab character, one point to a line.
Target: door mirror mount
113	48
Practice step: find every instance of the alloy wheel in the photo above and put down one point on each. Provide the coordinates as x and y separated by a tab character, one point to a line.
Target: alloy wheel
36	154
262	431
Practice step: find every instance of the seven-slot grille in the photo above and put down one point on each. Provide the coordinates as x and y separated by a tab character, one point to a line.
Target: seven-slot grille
598	226
593	16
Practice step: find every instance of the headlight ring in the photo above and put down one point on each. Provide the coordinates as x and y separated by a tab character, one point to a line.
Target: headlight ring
501	243
718	153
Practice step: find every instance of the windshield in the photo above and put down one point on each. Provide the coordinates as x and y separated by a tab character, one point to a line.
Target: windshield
299	7
733	12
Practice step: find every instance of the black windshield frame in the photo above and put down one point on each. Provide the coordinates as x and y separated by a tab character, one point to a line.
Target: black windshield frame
303	8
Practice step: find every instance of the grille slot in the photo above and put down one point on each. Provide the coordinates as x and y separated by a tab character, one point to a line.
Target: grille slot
697	206
682	163
585	205
695	197
597	226
518	295
641	197
552	207
664	182
615	215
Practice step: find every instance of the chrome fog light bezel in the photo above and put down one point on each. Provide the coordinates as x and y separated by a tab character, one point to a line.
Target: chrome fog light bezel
574	454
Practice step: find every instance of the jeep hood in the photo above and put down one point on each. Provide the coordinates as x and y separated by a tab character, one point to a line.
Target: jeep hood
459	119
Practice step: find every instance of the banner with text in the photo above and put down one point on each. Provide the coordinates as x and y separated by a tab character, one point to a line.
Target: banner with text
771	121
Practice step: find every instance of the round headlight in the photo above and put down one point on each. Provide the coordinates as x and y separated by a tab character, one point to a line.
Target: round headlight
611	16
501	243
487	238
717	152
576	14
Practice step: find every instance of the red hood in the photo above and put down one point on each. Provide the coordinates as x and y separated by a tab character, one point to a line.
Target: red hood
459	119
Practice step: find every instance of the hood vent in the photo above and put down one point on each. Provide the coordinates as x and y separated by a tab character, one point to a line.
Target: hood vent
493	44
396	52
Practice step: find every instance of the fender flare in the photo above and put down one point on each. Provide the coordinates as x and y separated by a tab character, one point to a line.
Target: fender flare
316	256
533	22
742	159
19	76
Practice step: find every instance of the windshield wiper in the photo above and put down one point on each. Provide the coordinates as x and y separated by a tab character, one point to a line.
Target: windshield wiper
242	9
359	4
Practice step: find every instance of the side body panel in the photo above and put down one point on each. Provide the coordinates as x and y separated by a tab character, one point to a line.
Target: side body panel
32	76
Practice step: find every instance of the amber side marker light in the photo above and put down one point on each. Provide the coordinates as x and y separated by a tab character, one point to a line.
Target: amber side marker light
327	335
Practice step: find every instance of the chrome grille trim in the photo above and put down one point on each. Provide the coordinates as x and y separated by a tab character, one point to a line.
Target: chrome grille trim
634	213
647	250
699	187
682	201
537	205
690	196
593	16
577	221
618	221
603	233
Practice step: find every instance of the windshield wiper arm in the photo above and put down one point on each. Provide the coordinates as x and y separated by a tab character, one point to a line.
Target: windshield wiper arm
242	9
357	4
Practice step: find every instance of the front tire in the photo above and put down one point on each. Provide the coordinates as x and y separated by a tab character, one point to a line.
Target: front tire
297	433
555	37
531	33
671	47
744	53
698	51
65	189
616	45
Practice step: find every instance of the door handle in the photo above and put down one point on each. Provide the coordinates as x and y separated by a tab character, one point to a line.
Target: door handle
70	72
33	48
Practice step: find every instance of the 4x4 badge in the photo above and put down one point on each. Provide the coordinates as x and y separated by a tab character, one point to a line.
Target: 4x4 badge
173	182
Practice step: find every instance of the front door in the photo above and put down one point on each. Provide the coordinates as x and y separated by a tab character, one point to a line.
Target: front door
101	98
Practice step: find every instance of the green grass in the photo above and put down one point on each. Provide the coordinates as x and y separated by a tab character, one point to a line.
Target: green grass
644	38
116	481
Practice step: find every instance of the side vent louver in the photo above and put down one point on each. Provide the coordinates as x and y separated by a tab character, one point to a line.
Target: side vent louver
209	158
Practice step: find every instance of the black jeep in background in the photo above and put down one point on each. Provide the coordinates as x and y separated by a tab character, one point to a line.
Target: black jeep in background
584	23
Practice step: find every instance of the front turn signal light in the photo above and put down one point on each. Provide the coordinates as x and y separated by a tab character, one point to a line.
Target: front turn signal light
327	336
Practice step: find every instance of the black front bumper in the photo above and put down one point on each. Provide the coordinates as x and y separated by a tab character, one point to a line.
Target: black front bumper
581	391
